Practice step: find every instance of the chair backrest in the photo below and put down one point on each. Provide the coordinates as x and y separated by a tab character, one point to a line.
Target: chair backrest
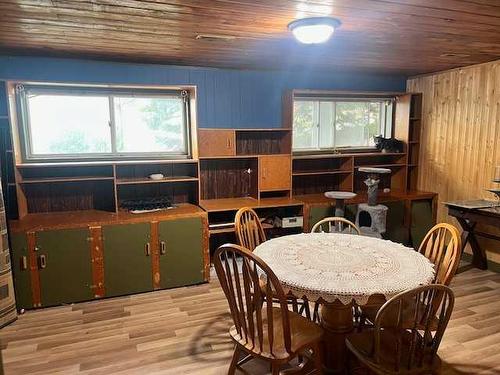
339	224
240	273
442	246
417	319
248	227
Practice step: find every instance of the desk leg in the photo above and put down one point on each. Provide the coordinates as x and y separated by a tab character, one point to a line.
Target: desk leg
337	321
478	254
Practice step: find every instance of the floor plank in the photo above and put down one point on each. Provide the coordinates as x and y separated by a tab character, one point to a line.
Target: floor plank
184	331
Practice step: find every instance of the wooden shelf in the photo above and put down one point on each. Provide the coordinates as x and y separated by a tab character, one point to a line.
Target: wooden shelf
65	179
399	165
346	155
233	204
395	195
231	229
317	173
84	218
139	180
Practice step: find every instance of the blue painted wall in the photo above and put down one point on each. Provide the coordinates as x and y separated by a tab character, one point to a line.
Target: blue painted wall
226	98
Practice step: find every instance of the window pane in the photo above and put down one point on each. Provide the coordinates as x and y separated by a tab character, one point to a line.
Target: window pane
326	124
150	124
305	124
356	123
68	124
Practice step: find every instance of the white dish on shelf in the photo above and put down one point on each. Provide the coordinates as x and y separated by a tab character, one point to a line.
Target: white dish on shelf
156	176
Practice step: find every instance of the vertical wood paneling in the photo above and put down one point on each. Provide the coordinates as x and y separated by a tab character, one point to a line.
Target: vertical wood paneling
461	136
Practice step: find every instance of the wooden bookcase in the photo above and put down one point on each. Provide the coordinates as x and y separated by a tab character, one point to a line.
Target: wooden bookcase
249	168
409	129
54	187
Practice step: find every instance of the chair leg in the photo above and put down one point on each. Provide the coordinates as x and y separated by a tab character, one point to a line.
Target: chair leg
234	360
317	358
275	369
316	312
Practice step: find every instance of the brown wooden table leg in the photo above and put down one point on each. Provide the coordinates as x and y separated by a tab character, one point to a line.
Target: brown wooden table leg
479	259
337	321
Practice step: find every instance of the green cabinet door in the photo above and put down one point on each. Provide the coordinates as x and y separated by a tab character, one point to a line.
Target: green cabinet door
181	252
65	266
21	270
421	220
127	261
317	213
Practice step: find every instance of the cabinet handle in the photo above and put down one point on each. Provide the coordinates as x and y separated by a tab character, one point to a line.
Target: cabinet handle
163	248
148	249
42	261
228	143
24	263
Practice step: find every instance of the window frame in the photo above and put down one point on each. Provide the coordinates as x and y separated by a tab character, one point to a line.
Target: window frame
24	128
386	127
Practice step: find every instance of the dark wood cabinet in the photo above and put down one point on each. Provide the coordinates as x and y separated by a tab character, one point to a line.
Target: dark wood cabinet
127	259
64	265
181	255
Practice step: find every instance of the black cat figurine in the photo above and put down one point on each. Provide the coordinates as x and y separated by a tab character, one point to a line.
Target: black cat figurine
388	144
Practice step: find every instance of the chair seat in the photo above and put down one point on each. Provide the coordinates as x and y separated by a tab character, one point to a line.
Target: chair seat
362	346
303	333
390	318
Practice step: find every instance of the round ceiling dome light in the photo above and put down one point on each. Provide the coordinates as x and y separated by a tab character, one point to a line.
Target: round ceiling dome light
313	30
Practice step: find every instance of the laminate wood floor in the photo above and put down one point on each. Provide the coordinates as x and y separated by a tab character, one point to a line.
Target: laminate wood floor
184	331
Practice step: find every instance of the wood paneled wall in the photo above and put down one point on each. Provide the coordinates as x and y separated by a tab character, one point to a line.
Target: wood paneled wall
460	144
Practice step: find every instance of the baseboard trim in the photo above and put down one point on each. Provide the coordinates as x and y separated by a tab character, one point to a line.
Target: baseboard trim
492	266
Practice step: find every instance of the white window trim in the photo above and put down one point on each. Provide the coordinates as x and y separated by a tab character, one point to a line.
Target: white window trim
110	91
385	126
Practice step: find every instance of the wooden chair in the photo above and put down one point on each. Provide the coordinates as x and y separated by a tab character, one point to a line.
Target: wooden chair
340	225
441	245
250	234
410	343
261	329
248	227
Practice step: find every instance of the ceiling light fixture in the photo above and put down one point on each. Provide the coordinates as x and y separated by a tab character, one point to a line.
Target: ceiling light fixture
313	30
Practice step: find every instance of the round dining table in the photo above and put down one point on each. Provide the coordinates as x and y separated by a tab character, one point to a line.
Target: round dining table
340	271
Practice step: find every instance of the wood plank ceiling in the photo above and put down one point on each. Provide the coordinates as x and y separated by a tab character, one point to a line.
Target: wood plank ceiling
392	36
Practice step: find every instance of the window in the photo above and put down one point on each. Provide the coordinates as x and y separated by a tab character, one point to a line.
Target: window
62	122
326	124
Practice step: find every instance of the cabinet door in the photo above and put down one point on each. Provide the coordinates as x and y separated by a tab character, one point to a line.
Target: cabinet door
127	259
181	252
216	142
317	213
421	221
275	172
21	270
65	266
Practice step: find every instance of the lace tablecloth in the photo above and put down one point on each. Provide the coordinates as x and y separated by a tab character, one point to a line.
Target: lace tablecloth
344	267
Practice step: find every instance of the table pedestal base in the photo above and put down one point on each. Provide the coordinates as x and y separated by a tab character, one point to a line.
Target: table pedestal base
337	321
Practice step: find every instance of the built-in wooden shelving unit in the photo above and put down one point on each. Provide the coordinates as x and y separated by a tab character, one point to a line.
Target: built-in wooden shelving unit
76	186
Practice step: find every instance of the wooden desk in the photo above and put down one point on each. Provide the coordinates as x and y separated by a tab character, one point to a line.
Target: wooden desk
468	218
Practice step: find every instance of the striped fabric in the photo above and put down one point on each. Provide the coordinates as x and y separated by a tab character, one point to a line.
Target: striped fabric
8	311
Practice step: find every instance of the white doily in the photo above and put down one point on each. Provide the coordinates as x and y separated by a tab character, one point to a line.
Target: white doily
344	267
